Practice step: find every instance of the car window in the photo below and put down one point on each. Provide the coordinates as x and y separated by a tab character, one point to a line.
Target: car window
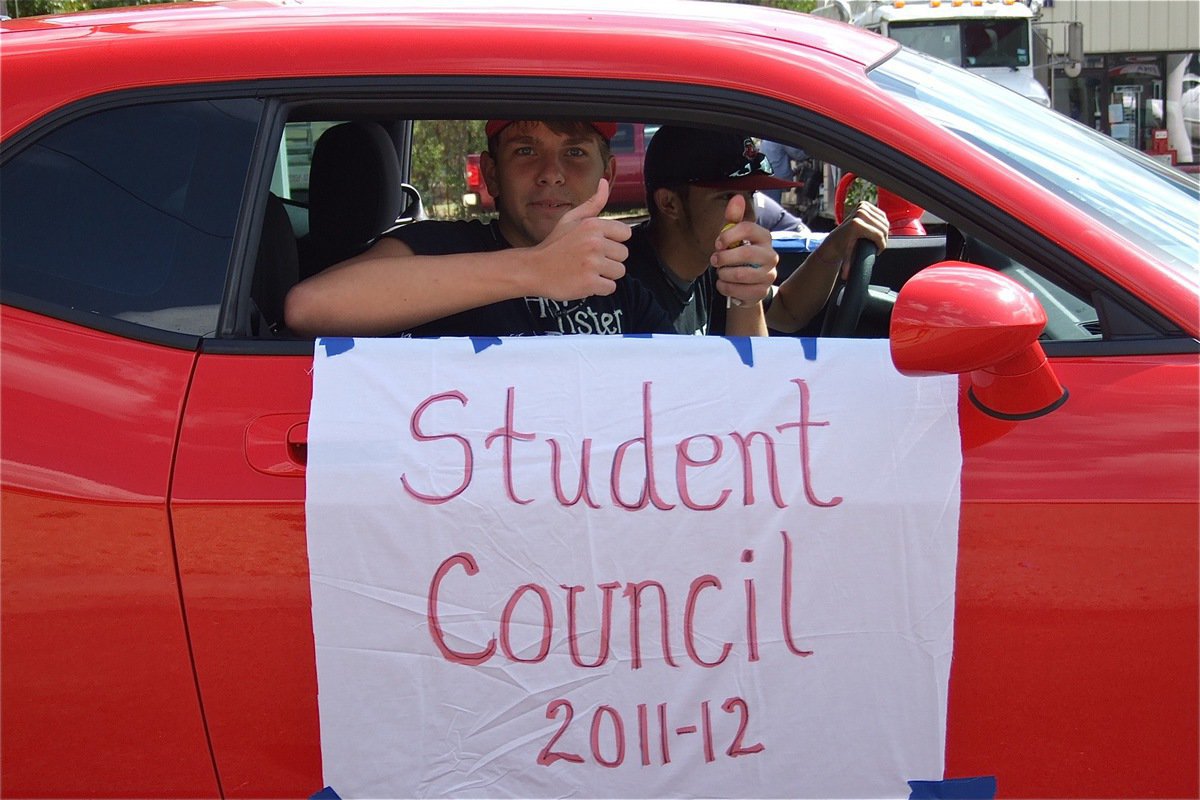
622	140
1135	197
129	213
1072	315
290	179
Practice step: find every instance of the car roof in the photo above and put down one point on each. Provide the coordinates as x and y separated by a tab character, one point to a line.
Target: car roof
686	41
695	16
700	21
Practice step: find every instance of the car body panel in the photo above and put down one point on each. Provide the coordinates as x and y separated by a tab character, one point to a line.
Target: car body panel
1040	556
1045	588
1057	575
243	566
1076	628
97	680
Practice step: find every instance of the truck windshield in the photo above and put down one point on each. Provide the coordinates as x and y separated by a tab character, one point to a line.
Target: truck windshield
969	43
1124	190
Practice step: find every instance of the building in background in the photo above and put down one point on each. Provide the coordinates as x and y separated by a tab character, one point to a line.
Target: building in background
1139	81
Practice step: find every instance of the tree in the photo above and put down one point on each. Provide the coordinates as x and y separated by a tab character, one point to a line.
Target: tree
30	8
33	8
790	5
439	154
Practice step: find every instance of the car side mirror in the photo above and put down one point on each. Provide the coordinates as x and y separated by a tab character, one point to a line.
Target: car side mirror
955	317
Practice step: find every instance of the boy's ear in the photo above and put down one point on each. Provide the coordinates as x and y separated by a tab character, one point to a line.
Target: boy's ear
668	202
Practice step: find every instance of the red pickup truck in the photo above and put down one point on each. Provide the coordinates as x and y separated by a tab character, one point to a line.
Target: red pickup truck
628	191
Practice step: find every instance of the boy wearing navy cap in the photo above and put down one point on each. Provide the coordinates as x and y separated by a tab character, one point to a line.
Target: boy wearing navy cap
548	264
702	254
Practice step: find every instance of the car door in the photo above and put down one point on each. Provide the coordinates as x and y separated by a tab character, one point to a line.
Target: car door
237	504
1076	598
238	496
118	227
238	507
1052	511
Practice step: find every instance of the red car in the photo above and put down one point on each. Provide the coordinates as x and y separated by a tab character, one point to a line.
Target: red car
156	629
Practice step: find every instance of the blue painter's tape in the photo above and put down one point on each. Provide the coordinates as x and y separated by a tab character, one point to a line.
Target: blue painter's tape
638	335
336	345
954	789
326	794
481	343
810	348
744	348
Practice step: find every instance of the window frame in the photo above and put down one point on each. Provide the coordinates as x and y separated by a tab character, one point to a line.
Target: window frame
483	96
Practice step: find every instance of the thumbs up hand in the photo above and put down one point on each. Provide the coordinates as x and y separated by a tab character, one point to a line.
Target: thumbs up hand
584	254
743	256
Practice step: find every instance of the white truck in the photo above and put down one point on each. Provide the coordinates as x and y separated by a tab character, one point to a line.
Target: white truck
994	38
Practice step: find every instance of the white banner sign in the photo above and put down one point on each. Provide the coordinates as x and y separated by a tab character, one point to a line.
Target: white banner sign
630	567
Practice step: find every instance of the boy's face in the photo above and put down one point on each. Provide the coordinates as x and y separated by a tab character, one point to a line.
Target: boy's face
704	215
537	174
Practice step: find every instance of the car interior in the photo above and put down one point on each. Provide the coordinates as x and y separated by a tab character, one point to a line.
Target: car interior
355	194
339	185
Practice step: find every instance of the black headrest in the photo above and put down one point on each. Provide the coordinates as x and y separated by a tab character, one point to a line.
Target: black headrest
354	188
277	268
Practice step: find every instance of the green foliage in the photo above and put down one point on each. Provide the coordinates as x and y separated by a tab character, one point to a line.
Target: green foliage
30	8
440	148
33	8
859	190
790	5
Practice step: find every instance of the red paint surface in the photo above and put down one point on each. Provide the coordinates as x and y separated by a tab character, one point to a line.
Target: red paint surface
1076	624
96	688
243	561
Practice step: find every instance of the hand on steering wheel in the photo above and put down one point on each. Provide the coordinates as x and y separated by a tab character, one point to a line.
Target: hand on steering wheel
849	296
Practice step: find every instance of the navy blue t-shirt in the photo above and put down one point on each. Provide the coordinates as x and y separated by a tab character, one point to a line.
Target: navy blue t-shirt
695	308
631	309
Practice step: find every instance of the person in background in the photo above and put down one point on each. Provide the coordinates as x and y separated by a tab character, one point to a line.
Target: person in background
774	217
781	157
706	259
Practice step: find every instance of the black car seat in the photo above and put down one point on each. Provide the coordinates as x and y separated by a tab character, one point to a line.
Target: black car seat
355	193
276	270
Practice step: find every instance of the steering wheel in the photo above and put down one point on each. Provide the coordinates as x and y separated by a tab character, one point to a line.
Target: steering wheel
849	296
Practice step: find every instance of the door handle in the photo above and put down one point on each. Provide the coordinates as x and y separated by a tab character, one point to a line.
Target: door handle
297	443
277	444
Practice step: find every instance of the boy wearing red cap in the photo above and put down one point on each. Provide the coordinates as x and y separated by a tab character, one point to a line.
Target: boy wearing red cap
547	265
701	244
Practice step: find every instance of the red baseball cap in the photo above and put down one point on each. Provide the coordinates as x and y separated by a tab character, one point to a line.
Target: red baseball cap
605	129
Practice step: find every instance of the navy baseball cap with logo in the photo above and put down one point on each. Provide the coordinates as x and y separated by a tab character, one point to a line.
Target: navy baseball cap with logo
711	159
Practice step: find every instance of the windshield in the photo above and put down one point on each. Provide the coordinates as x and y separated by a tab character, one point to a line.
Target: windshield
1150	204
970	43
